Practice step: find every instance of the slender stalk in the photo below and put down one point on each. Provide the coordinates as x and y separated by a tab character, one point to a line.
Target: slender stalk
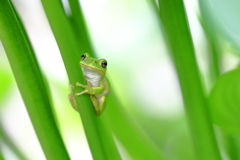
214	51
7	140
71	51
1	157
207	22
79	26
215	58
232	145
180	42
30	81
132	137
128	133
110	147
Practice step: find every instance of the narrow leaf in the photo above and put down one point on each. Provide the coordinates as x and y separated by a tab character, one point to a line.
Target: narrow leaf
71	52
30	81
132	137
173	16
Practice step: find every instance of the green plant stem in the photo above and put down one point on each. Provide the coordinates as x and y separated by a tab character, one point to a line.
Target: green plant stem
232	145
214	51
214	57
30	82
207	21
132	137
174	19
7	140
98	137
1	157
129	133
108	141
79	26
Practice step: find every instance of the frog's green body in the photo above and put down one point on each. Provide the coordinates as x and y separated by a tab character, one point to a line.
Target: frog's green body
97	86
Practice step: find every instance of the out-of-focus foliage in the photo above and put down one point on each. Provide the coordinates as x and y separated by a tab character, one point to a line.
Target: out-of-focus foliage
170	135
222	18
130	41
224	102
1	158
6	81
28	76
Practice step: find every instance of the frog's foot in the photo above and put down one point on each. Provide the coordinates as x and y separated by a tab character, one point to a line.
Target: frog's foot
72	101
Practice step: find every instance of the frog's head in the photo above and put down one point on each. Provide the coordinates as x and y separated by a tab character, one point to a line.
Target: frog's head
93	68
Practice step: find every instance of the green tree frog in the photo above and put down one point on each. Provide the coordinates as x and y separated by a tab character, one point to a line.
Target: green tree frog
97	84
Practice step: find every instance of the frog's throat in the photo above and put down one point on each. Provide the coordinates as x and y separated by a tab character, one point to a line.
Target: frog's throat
92	68
93	79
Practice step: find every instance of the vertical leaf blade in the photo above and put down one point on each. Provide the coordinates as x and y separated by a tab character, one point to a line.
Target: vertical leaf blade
175	23
30	81
131	137
71	51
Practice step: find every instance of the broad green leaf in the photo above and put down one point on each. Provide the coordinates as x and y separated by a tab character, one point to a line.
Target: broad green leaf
224	102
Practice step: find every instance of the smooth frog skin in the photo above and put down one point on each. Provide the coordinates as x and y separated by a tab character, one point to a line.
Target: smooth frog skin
97	84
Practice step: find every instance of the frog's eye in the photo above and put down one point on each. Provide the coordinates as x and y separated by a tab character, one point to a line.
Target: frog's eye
104	64
83	56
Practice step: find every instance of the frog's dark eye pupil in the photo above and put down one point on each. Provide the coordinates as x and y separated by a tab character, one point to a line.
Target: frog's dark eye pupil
83	56
104	64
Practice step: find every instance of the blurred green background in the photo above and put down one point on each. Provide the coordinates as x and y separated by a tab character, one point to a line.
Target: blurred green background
140	69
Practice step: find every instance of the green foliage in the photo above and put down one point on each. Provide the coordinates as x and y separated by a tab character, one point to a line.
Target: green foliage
7	141
6	82
222	18
1	157
132	138
174	133
224	102
141	136
96	133
175	23
30	82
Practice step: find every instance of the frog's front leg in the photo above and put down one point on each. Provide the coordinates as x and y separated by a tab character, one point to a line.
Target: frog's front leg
90	90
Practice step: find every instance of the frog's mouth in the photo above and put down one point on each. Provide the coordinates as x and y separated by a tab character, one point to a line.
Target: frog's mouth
92	73
91	68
